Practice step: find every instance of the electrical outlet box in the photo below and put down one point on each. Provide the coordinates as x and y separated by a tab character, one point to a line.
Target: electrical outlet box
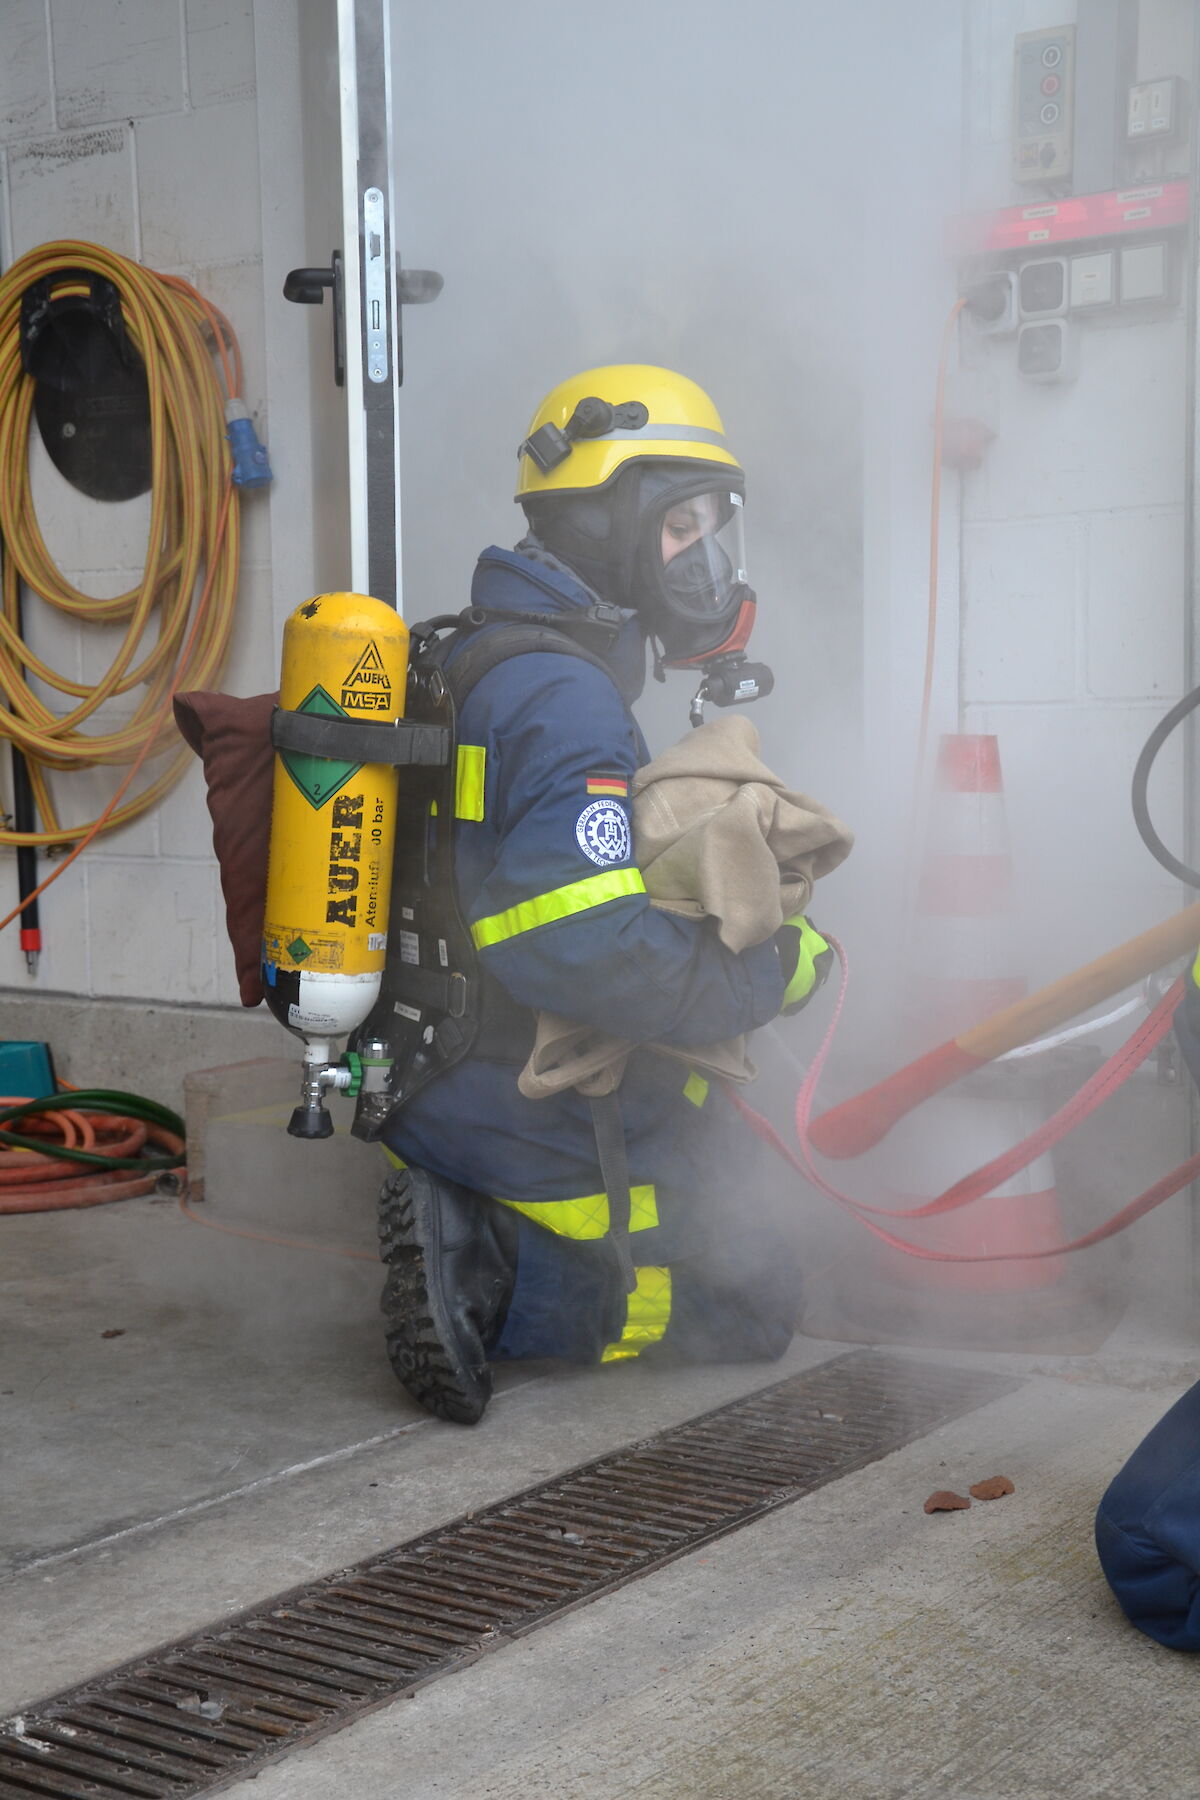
1092	280
1155	109
1042	288
1144	273
1048	351
992	304
1043	104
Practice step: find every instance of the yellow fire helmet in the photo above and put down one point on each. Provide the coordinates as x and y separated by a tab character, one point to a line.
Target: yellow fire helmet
592	426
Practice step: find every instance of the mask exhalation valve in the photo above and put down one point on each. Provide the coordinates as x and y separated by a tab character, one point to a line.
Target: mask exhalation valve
730	681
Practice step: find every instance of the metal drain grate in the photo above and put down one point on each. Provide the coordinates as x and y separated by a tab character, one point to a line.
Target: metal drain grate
207	1711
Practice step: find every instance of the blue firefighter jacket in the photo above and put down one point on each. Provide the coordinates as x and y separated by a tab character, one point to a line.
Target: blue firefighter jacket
548	884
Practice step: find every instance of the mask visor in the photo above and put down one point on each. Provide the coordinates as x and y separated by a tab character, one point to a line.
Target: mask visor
703	557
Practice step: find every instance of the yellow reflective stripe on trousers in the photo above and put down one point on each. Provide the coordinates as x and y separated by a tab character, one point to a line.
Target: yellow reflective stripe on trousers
647	1315
559	903
1196	969
695	1089
468	781
587	1218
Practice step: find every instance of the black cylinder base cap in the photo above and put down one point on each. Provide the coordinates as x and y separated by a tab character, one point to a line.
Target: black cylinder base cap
310	1122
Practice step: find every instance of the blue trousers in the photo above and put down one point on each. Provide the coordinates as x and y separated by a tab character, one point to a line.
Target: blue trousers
733	1302
1148	1529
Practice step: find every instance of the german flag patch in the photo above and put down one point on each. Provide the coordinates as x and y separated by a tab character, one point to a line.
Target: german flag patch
604	781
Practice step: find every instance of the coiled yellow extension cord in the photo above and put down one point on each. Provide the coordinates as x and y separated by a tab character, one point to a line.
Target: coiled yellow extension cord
191	564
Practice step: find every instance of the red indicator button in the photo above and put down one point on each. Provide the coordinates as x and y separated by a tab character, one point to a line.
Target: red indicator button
1051	84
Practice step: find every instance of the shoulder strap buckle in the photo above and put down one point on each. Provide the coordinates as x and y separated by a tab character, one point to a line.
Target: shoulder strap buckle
600	623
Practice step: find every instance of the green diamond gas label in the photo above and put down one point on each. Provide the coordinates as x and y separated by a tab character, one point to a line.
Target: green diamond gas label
291	949
317	777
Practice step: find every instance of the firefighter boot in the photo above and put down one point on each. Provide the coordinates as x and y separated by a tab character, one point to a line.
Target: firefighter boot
452	1257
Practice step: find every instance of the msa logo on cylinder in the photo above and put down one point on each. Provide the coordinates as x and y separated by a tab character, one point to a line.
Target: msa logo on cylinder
367	688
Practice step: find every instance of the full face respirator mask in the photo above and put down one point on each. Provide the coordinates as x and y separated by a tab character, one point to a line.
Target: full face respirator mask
689	577
690	584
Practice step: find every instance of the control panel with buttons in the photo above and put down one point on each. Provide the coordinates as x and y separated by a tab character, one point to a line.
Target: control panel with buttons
1043	104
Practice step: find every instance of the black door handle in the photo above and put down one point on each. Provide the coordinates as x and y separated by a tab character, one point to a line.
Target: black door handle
307	286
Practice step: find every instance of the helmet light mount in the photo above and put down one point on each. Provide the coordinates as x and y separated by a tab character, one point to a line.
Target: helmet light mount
551	445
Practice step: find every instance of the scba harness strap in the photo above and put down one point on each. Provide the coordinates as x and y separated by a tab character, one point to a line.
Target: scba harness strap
428	1015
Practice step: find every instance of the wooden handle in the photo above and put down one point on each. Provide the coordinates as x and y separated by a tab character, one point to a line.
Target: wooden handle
858	1124
1028	1019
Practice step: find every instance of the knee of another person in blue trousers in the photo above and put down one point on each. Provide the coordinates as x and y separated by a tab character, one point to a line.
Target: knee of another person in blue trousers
1148	1529
1155	1591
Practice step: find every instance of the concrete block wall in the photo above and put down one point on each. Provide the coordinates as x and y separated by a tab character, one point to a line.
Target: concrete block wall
135	124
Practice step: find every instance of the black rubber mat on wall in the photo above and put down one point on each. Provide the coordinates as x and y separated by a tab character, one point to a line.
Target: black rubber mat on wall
209	1710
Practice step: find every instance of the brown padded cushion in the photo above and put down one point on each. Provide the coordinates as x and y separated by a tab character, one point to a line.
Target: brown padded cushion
232	739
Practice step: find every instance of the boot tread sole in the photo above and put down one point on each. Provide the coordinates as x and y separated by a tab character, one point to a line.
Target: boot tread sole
415	1345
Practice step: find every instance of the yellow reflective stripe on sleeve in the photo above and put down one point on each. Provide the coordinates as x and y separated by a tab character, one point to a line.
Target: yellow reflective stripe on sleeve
587	1218
1196	969
559	903
695	1089
468	781
647	1315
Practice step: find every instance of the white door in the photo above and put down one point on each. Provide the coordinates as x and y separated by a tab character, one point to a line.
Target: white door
373	370
342	252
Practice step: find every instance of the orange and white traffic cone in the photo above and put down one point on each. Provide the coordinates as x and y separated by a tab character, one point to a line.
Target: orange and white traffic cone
964	933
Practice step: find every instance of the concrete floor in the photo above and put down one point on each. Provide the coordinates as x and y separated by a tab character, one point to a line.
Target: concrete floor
244	1433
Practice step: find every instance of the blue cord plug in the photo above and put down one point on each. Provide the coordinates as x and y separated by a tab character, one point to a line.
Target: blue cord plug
251	466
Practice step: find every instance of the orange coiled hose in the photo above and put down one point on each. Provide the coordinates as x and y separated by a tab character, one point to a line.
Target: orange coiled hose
106	1135
191	564
39	1181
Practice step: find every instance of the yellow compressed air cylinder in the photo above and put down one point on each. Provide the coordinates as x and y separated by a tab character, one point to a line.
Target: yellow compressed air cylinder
333	822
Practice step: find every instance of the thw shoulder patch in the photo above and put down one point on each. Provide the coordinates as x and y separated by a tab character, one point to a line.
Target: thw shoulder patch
602	832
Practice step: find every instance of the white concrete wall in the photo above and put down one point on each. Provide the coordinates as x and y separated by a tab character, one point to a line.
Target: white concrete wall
137	124
1072	551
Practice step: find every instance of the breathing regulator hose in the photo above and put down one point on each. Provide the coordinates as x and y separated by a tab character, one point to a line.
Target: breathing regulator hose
179	617
1141	781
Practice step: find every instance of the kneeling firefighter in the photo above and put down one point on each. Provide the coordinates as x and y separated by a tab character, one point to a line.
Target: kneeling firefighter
496	1221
